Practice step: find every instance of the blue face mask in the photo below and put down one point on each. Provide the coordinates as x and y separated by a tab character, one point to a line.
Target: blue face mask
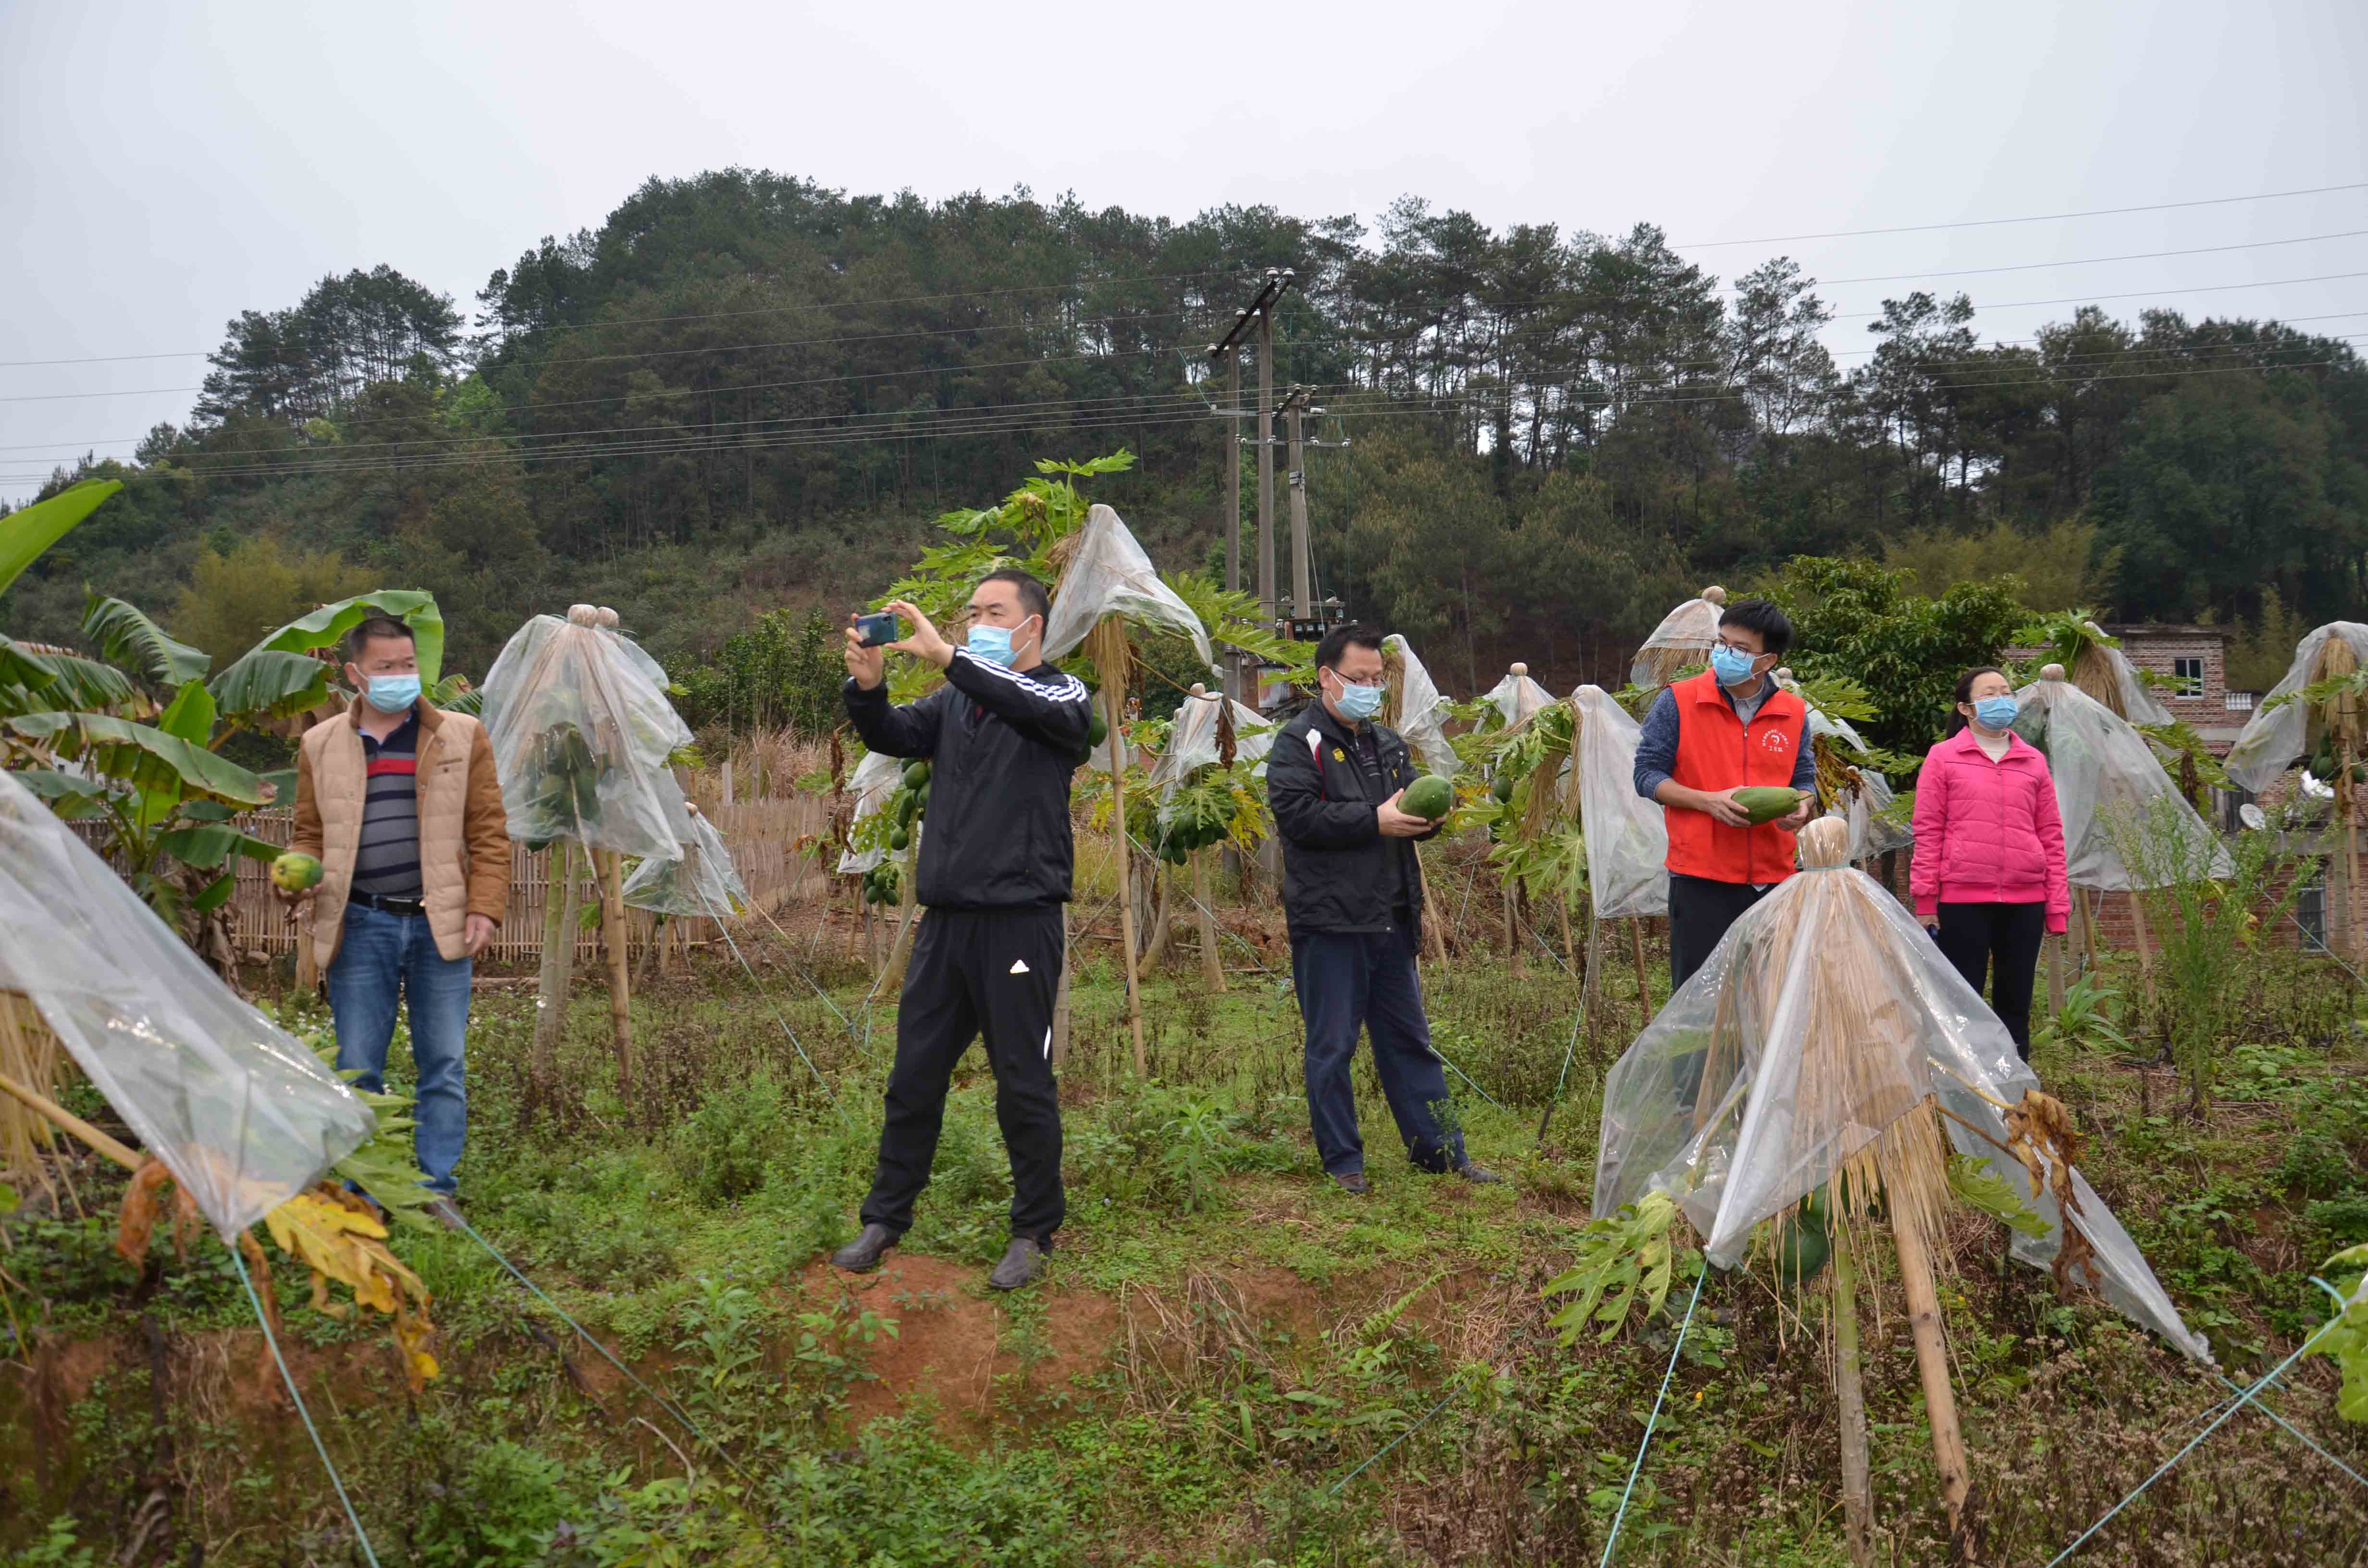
1996	712
393	694
1731	667
992	643
1359	702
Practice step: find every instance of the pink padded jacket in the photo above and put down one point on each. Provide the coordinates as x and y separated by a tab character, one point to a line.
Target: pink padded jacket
1987	832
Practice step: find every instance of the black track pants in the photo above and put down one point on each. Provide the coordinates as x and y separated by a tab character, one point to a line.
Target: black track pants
1999	942
973	971
1699	911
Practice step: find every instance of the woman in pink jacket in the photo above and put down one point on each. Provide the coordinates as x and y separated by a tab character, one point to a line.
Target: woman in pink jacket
1988	873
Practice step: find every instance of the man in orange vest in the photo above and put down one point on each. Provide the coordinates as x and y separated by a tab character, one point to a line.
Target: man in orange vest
1729	728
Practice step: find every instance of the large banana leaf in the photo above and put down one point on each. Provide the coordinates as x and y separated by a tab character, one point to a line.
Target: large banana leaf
413	606
210	844
25	533
269	683
34	677
67	795
453	694
124	634
160	766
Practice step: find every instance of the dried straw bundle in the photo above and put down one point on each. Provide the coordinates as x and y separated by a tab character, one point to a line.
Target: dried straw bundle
31	1057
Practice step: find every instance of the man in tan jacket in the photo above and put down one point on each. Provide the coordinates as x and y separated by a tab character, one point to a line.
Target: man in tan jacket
399	801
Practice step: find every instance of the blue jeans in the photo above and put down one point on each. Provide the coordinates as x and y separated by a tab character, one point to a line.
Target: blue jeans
1349	981
381	958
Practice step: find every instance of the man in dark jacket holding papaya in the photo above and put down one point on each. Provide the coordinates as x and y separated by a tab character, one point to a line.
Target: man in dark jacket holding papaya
1352	894
1002	736
1728	729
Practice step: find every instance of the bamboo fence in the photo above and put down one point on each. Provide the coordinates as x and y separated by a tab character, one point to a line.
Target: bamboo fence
761	834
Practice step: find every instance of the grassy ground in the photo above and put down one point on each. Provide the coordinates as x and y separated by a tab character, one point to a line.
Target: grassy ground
1221	1341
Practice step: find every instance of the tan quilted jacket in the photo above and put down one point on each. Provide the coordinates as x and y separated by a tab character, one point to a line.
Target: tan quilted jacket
464	844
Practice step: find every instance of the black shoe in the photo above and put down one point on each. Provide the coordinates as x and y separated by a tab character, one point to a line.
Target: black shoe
861	1256
1478	1175
1021	1262
1353	1182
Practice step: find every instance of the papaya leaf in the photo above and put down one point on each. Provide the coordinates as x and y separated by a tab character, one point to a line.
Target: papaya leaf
124	634
1621	1258
1977	1186
270	683
323	628
29	530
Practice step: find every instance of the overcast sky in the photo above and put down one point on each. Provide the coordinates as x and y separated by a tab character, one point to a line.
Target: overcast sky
165	167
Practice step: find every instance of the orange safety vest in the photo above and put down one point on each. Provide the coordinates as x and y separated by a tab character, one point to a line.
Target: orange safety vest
1717	751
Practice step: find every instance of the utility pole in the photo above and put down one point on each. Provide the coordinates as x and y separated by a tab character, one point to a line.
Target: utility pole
1302	590
1262	308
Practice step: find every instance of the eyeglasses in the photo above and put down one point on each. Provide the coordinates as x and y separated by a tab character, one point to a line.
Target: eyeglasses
1739	649
1344	680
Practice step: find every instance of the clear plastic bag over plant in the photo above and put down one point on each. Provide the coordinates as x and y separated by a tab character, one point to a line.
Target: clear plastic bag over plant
1627	836
240	1111
1869	835
1685	636
700	880
2273	740
2139	703
1109	574
1727	1102
1516	698
2106	774
1192	744
1421	711
874	779
581	729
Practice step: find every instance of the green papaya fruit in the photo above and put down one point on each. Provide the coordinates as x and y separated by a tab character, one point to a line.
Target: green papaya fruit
916	774
1431	797
900	839
1504	789
1765	803
1097	729
1804	1241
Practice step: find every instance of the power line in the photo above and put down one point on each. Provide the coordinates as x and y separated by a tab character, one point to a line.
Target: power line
2095	261
2037	218
1388	405
502	338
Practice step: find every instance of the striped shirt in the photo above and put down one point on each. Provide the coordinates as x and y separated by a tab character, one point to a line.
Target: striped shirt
387	863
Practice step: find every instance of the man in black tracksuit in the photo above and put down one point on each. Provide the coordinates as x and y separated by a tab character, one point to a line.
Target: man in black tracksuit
1003	735
1352	894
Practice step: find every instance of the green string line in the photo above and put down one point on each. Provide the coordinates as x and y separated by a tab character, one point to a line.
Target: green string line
1636	1469
2243	1398
2299	1433
1578	1022
309	1430
769	1002
582	1333
1393	1443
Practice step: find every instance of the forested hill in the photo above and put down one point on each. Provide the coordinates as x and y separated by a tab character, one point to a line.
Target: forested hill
745	390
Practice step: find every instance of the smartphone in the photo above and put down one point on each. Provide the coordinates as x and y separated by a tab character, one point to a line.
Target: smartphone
878	630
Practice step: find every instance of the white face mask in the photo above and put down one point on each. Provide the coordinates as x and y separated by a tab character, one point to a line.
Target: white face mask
1357	702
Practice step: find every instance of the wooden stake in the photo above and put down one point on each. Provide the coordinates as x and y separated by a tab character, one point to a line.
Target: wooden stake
615	938
1591	986
1432	935
1061	998
1643	987
1112	695
42	1105
563	904
1513	930
1213	969
2055	973
1849	1396
1932	1366
2146	946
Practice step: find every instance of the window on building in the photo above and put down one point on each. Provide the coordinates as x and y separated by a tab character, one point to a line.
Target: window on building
2187	676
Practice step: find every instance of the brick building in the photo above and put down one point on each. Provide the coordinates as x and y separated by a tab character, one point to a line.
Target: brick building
2191	662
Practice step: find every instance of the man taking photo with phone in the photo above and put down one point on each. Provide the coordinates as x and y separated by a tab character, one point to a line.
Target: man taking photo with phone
1002	737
